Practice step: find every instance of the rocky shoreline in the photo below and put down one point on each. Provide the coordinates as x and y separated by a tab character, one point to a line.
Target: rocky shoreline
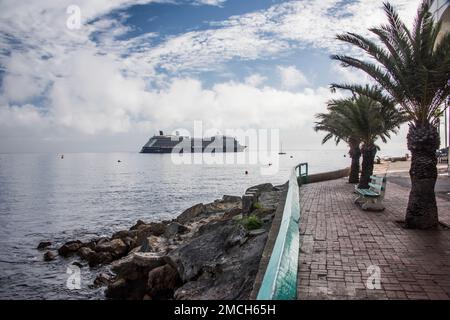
210	251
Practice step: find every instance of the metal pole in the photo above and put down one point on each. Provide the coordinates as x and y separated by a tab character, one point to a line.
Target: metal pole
445	127
447	132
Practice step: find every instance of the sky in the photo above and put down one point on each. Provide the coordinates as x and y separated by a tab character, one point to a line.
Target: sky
127	69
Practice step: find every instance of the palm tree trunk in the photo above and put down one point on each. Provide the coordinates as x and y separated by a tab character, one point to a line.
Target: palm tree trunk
368	153
422	211
355	154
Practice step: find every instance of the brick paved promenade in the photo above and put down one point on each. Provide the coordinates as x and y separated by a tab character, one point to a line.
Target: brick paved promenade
338	241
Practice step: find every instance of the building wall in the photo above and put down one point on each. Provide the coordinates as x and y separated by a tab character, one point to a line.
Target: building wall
441	11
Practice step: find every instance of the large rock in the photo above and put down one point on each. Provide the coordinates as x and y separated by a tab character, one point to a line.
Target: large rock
231	213
136	264
220	206
207	246
123	266
85	252
123	234
192	213
49	256
264	187
130	243
69	248
151	229
117	289
44	244
263	212
238	236
132	275
98	258
148	260
103	279
175	228
162	281
225	204
154	244
227	198
270	199
117	248
225	275
137	225
95	258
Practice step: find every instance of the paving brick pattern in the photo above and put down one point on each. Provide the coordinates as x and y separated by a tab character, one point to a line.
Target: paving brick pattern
339	241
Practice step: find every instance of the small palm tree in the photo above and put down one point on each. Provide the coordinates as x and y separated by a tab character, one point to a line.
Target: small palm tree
413	68
335	124
366	120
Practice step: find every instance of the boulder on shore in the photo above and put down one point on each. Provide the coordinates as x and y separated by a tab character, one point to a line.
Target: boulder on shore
264	187
137	225
69	248
192	213
97	258
85	252
175	228
102	279
206	248
43	244
117	248
152	229
123	234
154	244
49	256
231	213
132	275
227	198
162	281
220	263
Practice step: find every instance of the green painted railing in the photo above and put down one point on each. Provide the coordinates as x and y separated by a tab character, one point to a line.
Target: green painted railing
302	172
280	278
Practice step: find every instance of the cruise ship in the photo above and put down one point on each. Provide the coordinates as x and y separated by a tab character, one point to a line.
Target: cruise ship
169	143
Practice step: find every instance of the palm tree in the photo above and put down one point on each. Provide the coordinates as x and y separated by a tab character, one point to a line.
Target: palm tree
413	68
374	116
334	124
366	120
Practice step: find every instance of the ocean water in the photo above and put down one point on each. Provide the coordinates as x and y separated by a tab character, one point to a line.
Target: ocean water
44	197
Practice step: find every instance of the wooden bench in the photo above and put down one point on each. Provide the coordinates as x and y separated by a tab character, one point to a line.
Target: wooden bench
371	199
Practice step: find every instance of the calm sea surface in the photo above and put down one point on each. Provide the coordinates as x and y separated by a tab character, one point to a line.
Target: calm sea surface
44	197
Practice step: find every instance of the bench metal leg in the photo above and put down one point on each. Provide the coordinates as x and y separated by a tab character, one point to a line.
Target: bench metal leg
360	200
373	204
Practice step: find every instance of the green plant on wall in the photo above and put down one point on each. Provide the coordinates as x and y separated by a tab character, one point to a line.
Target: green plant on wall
251	222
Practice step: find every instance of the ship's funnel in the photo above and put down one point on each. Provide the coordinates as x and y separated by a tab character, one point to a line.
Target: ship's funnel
161	133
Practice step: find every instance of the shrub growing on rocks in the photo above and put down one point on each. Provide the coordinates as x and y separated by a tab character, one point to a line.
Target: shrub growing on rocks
251	222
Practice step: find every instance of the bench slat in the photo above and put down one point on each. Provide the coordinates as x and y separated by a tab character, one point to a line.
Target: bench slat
376	186
377	179
368	192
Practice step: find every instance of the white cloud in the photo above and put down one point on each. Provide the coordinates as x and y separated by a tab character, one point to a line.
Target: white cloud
120	105
210	2
96	101
291	77
22	121
255	80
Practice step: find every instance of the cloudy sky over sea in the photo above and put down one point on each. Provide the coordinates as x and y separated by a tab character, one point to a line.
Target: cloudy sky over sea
134	67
